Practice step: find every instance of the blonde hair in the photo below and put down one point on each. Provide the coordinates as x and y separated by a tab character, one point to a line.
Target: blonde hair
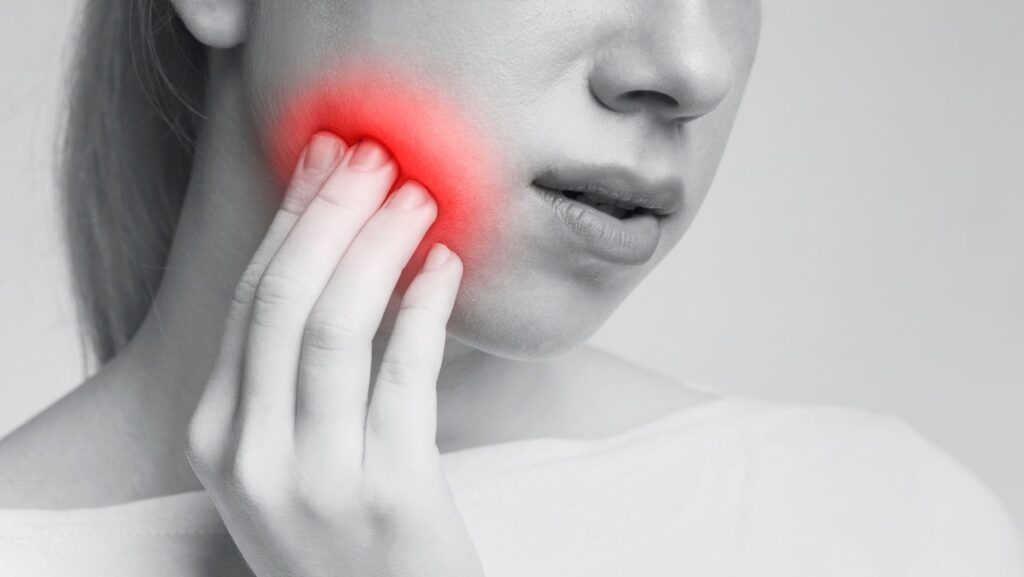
137	85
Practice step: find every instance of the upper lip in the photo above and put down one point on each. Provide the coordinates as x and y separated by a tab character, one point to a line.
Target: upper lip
617	184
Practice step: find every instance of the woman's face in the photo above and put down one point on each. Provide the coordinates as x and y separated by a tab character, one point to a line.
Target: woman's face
633	100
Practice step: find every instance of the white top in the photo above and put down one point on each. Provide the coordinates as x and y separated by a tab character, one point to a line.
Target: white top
729	487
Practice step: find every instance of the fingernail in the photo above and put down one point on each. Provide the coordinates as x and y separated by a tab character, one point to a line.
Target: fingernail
409	196
439	254
322	151
368	155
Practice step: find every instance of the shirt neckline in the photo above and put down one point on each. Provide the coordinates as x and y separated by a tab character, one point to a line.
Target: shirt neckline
194	512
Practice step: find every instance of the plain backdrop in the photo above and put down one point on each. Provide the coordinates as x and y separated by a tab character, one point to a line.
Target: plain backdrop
863	245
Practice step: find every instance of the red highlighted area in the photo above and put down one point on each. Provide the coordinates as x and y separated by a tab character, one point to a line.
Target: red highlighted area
432	139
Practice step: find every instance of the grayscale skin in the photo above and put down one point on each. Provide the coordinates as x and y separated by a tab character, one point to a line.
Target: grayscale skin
268	306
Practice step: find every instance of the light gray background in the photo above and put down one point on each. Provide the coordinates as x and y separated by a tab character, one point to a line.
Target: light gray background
864	243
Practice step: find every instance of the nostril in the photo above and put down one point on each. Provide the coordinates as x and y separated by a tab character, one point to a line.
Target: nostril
652	98
680	94
679	68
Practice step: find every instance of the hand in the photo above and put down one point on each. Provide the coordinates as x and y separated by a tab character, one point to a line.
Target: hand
310	478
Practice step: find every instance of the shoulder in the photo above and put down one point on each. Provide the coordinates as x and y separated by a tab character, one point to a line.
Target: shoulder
968	529
48	455
879	489
89	448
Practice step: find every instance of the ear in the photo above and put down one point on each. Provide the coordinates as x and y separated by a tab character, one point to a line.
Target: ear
216	23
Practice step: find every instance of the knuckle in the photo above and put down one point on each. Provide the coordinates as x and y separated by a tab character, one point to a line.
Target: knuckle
424	315
205	437
322	501
199	448
245	479
302	191
392	505
294	203
394	228
245	290
386	503
372	239
343	198
331	331
398	371
274	293
276	289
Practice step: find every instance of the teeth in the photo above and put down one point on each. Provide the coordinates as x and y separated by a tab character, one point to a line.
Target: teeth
616	208
596	200
611	209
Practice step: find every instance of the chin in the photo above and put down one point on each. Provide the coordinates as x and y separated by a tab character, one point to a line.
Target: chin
528	330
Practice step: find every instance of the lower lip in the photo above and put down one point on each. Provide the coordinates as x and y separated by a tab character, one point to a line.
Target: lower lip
633	240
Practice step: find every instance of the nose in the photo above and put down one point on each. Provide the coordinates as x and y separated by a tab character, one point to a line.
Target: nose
672	67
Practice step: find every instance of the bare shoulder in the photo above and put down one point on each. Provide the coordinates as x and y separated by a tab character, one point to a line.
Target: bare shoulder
883	488
92	447
37	458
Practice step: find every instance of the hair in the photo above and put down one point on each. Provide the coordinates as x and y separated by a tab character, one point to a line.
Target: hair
138	80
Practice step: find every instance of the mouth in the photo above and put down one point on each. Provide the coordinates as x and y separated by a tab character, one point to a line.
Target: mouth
611	212
614	190
620	209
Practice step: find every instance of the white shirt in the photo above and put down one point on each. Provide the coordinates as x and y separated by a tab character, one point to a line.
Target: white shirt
730	487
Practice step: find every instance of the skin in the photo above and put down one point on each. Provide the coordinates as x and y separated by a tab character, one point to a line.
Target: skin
655	85
308	475
650	67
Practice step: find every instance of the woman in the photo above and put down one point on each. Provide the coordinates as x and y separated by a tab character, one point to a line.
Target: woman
337	260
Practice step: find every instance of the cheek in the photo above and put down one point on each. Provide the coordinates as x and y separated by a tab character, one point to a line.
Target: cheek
433	139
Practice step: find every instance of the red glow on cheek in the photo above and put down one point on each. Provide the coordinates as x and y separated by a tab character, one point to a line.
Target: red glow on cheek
432	139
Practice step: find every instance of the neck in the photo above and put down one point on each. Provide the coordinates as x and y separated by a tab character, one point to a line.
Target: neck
227	210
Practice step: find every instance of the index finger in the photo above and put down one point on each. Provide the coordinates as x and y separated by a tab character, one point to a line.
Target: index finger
311	172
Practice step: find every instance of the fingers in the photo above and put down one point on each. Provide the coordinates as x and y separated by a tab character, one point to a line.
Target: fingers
291	285
216	408
401	424
334	371
311	172
296	356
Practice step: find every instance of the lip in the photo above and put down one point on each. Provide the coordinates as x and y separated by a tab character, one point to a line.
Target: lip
661	196
633	240
630	241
